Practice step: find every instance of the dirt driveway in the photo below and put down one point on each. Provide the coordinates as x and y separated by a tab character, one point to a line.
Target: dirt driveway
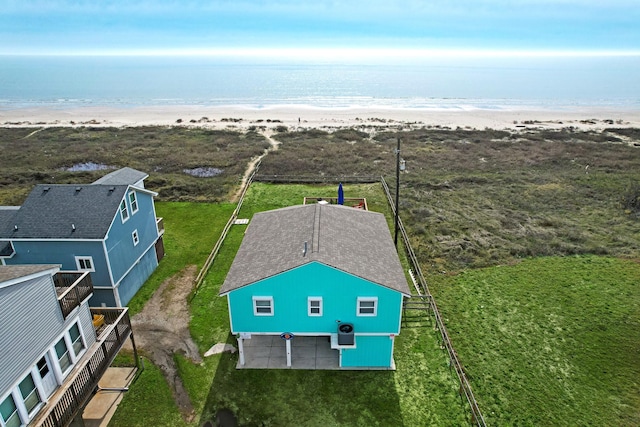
162	329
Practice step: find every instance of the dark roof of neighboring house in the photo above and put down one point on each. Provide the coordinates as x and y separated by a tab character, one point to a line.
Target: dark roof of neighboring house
11	272
124	176
6	215
352	240
52	212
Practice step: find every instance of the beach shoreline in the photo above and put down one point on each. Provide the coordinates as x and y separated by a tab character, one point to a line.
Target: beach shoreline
303	116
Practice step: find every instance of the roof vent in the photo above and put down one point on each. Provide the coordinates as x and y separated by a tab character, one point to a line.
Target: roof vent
112	189
15	228
78	189
304	249
46	189
73	228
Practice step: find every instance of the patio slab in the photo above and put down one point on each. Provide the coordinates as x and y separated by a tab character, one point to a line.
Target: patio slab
270	352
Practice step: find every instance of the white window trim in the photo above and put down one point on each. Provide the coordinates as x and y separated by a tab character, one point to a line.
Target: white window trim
122	211
82	340
35	390
20	411
135	198
314	299
255	307
367	299
90	258
135	237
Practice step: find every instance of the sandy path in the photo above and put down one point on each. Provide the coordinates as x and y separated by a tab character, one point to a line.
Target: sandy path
161	329
251	166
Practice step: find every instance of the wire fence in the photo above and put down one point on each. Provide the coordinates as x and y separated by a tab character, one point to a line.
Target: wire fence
214	252
422	287
454	362
297	179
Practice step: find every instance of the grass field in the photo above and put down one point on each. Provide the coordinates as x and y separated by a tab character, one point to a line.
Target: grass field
545	341
530	241
421	390
549	341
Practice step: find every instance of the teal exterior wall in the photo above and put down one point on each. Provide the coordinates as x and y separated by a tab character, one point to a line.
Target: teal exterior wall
137	276
339	292
119	243
370	351
63	253
121	254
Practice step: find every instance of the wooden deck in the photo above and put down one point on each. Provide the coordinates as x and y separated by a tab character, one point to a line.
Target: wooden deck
71	397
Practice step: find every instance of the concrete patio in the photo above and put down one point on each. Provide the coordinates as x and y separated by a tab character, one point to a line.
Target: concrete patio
269	352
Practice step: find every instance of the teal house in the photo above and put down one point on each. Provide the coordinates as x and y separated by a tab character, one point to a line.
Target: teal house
328	275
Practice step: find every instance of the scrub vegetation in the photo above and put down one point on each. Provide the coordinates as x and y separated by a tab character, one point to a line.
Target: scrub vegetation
530	241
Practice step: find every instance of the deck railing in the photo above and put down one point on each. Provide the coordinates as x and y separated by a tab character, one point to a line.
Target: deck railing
78	388
72	288
160	224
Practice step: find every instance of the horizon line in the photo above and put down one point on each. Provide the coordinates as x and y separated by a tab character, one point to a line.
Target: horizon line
327	53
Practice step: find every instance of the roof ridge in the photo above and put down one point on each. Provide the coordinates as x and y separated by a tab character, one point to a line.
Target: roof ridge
315	235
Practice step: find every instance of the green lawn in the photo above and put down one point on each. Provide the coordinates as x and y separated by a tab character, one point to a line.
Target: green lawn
545	341
549	341
421	391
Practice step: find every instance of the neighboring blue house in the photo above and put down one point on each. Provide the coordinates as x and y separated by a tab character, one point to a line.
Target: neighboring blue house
319	271
108	228
53	347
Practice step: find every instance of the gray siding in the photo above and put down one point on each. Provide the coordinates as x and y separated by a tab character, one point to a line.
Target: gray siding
86	325
30	320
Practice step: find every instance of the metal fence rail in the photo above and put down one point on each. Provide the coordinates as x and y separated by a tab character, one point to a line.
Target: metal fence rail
465	387
315	179
214	252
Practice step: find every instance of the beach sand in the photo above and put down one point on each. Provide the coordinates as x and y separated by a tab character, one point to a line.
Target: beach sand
310	117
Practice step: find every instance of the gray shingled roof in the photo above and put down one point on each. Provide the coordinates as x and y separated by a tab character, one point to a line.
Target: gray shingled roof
6	215
11	272
50	211
354	241
124	176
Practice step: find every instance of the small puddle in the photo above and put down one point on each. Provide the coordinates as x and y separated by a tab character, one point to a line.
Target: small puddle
88	167
203	172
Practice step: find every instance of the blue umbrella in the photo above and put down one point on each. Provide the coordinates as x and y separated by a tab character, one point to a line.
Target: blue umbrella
340	195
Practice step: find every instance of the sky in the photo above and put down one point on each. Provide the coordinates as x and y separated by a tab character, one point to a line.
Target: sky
515	27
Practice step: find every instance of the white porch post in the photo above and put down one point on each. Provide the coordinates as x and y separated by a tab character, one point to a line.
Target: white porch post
288	342
241	350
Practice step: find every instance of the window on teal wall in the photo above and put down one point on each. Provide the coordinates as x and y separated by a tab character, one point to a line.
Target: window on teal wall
124	212
84	263
263	306
314	305
133	202
367	306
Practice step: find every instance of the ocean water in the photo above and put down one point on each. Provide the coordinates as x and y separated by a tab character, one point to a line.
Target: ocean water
443	84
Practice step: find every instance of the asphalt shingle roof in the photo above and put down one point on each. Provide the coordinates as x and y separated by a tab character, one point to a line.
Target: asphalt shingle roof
352	240
6	215
52	211
11	272
123	176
